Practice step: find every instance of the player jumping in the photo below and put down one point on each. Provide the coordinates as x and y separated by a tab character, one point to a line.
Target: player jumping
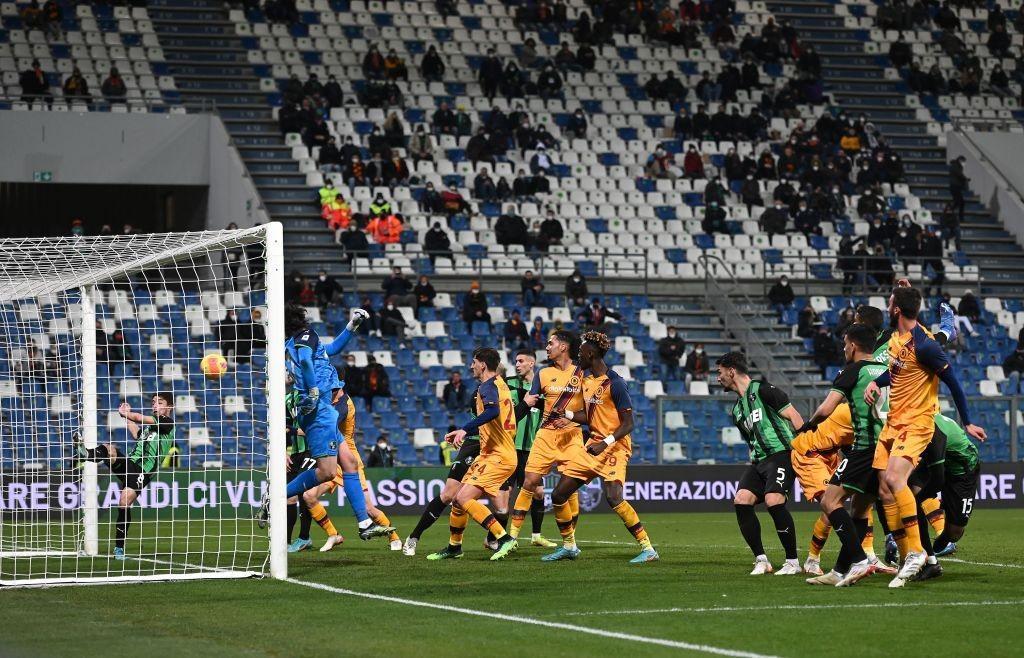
310	366
766	420
495	423
154	436
916	364
609	414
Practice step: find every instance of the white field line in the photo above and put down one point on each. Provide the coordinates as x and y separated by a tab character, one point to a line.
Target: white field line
836	606
983	564
673	644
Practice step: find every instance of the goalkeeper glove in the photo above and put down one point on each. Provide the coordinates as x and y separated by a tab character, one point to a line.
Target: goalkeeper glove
947	321
358	315
308	401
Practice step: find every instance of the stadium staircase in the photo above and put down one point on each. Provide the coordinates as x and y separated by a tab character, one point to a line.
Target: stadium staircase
210	62
859	84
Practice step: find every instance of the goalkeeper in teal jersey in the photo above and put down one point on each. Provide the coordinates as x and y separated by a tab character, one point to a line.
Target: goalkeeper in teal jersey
154	437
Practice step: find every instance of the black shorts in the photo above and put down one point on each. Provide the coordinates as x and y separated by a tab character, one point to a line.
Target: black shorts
301	461
130	473
469	451
958	497
519	476
928	476
855	472
773	475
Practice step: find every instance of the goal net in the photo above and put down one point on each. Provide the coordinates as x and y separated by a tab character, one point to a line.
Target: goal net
121	459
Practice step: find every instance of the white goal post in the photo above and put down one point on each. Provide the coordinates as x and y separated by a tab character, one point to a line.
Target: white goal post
103	395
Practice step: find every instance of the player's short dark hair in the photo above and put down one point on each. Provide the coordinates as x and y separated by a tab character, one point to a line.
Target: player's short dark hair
166	396
487	356
570	339
294	319
526	352
908	301
862	336
871	317
737	360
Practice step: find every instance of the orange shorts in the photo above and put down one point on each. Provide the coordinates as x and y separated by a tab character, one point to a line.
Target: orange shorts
551	447
610	465
489	472
907	441
814	471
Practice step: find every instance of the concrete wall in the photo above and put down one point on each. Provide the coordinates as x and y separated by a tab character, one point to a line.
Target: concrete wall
993	165
132	149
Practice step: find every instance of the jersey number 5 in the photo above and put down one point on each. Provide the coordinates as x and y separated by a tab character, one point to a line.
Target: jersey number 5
510	418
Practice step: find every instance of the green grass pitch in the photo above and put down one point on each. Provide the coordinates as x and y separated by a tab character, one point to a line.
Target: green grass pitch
699	595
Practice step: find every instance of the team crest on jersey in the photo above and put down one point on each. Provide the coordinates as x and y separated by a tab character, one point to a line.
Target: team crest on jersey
574	381
333	445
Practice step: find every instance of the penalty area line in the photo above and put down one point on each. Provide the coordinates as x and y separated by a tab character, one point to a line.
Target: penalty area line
984	564
673	644
834	606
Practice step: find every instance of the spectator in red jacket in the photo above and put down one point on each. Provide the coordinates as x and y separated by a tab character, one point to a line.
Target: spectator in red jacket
693	163
453	201
386	229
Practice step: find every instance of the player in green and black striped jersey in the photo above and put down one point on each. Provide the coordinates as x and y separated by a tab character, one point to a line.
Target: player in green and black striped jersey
527	422
962	467
154	437
298	460
767	421
855	474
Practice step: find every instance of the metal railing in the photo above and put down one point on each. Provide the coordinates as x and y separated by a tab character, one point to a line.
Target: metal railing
807	404
97	103
736	321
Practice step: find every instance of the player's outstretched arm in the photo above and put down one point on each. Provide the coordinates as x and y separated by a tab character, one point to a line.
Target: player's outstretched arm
824	410
134	419
338	344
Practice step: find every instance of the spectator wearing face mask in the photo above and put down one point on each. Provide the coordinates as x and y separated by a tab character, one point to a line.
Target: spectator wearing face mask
432	67
516	333
659	165
327	290
375	382
424	293
397	286
597	316
781	295
332	93
392	322
371	325
696	367
806	220
551	231
714	219
453	203
355	243
381	456
577	126
421	146
385	229
693	163
670	350
436	243
773	220
474	306
532	289
575	288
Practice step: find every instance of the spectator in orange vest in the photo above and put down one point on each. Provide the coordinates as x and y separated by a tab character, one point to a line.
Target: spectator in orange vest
338	215
386	229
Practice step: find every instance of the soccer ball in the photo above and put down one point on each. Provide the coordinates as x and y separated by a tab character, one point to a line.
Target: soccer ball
214	366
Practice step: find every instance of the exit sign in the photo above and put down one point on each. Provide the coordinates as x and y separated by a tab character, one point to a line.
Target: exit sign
42	176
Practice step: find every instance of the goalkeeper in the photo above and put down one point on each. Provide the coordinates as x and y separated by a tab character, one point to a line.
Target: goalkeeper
309	363
154	437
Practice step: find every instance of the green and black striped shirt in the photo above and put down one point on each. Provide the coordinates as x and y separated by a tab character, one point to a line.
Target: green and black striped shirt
757	414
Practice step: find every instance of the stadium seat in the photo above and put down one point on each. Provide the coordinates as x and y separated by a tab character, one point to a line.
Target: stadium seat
672	452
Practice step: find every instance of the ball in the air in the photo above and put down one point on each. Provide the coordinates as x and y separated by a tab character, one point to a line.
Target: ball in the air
214	366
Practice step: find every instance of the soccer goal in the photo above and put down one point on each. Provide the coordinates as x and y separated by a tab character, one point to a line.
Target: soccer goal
141	407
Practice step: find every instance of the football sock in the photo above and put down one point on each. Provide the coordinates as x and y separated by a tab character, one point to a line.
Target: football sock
124	519
293	516
819	536
319	515
632	521
933	512
536	515
750	528
892	520
941	542
304	480
435	508
563	516
305	520
908	515
524	502
847	533
785	528
926	540
99	453
882	519
574	506
382	519
355	496
483	516
868	534
457	521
